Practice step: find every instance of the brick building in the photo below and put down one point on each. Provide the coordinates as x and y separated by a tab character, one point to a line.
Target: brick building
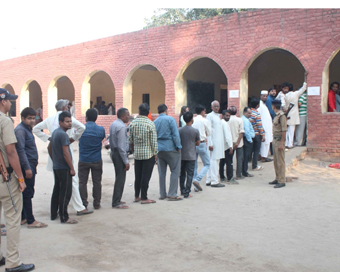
228	58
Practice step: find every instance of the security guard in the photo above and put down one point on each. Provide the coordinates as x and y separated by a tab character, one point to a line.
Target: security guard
279	137
16	185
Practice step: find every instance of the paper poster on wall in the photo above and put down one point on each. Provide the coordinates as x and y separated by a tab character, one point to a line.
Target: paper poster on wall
233	93
313	91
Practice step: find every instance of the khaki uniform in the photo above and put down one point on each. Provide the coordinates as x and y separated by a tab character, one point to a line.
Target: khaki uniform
12	219
279	126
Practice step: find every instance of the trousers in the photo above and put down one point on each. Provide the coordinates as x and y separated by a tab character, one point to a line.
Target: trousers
27	195
300	131
187	173
264	150
290	136
143	172
212	175
279	162
12	219
202	151
120	178
247	148
256	149
62	192
96	173
173	159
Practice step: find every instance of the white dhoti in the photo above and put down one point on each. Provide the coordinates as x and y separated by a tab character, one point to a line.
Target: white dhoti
212	175
264	150
290	136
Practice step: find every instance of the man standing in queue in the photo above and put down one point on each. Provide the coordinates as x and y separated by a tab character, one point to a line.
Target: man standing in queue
16	184
279	137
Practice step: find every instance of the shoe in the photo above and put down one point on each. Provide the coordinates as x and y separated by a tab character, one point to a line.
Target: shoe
2	261
238	178
248	175
280	185
97	207
22	267
274	182
197	185
232	181
208	184
258	168
83	212
217	185
222	179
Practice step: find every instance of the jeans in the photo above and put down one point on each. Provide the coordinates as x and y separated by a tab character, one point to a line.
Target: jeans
143	172
229	161
202	151
247	148
83	174
62	192
27	195
119	166
187	172
256	149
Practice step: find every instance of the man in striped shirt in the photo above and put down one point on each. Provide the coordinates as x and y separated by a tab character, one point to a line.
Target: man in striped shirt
256	121
300	132
143	142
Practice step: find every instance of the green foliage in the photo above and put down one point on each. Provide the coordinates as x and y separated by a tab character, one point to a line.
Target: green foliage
170	16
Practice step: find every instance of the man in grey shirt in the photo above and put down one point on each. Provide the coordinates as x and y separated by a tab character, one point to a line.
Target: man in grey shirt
190	138
119	146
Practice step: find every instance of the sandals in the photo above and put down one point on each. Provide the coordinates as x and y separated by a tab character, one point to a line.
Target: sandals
176	198
137	199
23	222
3	232
266	160
39	225
71	221
149	201
121	206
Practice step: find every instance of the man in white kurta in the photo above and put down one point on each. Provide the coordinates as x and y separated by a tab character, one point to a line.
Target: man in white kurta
216	145
293	117
267	124
51	123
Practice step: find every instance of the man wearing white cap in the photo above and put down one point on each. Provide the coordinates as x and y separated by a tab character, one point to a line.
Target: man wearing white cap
267	126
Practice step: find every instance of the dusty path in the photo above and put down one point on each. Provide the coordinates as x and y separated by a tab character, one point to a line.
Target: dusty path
246	227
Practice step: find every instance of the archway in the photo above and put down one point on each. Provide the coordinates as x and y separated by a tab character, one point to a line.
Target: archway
144	84
270	67
331	73
200	81
97	87
31	95
12	111
61	87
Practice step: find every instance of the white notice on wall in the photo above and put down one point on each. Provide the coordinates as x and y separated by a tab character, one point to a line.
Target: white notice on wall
233	93
313	91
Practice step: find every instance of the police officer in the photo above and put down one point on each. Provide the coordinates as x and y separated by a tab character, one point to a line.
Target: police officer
279	137
17	186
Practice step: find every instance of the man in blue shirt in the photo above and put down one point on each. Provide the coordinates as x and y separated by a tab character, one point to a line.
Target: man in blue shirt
169	153
248	136
270	98
28	156
90	158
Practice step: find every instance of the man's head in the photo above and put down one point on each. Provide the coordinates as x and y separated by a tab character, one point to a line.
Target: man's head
200	110
226	115
144	109
276	105
215	105
247	112
65	120
61	105
188	118
272	91
124	115
28	116
264	95
334	86
232	110
286	87
255	103
162	108
69	105
103	102
91	115
5	100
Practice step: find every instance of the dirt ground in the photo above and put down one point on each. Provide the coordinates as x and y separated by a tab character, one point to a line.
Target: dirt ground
245	227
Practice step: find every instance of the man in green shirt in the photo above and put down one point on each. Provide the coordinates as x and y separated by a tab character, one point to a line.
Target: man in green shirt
300	132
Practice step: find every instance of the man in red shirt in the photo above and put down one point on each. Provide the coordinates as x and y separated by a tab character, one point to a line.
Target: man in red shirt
331	97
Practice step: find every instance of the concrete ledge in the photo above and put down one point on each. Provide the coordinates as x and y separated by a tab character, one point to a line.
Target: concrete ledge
294	156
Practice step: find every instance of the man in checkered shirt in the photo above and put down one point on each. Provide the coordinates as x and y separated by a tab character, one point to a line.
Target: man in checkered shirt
143	142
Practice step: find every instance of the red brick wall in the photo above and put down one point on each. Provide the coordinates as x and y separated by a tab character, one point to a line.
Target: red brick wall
232	41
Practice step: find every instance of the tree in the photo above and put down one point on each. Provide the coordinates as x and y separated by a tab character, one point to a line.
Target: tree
170	16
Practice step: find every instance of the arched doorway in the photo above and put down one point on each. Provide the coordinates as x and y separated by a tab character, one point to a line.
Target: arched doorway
98	88
270	67
12	111
331	73
144	84
61	87
200	81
